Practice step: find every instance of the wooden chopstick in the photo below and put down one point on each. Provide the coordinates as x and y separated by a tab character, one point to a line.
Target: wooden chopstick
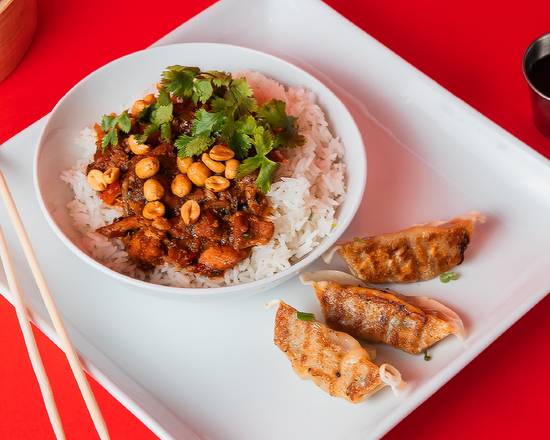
30	342
49	302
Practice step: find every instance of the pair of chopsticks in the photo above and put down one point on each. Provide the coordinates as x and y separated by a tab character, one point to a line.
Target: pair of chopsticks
24	322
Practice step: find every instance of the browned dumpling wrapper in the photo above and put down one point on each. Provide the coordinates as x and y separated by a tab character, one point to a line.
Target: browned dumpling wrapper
333	360
418	253
411	324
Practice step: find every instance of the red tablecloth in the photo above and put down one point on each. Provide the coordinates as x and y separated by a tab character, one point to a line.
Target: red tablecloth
473	48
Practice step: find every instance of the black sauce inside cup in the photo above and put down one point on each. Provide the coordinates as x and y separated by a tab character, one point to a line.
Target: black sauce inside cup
536	69
539	74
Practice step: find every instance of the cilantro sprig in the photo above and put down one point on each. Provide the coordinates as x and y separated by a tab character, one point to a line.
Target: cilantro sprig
158	117
229	114
110	125
226	112
263	143
274	113
190	82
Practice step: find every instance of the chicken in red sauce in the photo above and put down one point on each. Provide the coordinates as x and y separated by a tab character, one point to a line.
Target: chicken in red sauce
193	199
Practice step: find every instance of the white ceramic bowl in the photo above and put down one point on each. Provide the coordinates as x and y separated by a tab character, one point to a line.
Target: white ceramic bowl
124	80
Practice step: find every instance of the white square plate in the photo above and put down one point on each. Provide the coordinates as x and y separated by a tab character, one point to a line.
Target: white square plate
210	370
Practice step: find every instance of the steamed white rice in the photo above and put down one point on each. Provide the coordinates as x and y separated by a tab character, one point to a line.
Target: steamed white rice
304	196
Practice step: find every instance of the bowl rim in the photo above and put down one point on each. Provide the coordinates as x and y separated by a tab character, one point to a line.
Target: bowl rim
209	292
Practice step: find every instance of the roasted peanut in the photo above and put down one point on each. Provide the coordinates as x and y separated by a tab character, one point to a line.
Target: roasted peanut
161	224
221	153
147	167
190	212
216	183
149	98
111	175
136	147
181	185
184	163
231	167
217	167
153	210
96	180
153	190
138	107
198	173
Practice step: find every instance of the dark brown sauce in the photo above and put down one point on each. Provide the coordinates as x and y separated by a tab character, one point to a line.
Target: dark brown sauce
539	75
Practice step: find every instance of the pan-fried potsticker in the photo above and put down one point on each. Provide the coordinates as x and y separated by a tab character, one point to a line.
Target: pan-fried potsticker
335	361
411	324
418	253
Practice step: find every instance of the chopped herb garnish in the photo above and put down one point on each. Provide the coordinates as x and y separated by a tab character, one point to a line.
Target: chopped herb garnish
123	121
263	143
166	132
107	122
160	117
226	113
110	125
147	131
303	316
161	113
110	138
203	90
445	277
205	122
274	113
427	357
192	145
179	80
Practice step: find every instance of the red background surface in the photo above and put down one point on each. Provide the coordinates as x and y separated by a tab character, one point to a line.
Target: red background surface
473	48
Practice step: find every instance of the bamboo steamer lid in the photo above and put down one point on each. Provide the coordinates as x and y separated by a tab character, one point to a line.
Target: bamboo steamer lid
17	25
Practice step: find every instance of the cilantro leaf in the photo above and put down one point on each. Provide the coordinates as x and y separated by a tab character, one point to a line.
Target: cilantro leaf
274	113
163	98
166	132
219	79
206	122
289	138
239	98
249	165
246	125
110	138
219	104
241	144
147	131
263	141
178	80
107	122
240	140
267	169
240	89
123	122
189	146
202	91
162	114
